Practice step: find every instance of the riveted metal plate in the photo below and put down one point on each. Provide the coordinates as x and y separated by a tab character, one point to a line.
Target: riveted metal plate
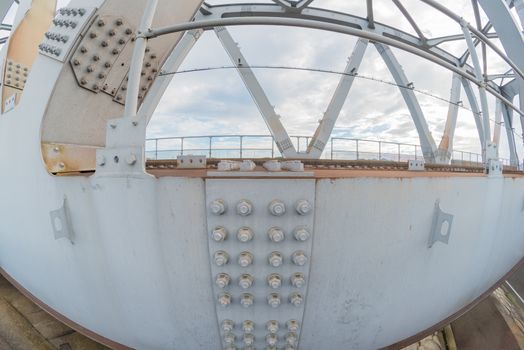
95	57
68	24
264	195
15	75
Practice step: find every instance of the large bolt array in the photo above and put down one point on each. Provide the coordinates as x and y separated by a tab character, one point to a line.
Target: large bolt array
260	268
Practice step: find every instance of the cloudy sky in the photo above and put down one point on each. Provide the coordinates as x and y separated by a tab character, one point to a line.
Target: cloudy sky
216	102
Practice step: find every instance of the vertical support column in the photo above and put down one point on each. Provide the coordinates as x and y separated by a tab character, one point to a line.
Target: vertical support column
482	90
498	122
321	136
271	118
476	113
445	148
429	148
507	115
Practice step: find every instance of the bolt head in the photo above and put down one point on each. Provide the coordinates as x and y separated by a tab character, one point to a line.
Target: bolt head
224	299
272	326
292	326
276	234
291	338
218	207
296	299
301	234
100	159
244	207
221	258
219	234
274	280
299	258
247	300
131	159
245	259
272	339
248	326
222	280
229	338
228	326
277	208
273	300
303	207
245	234
249	339
275	259
246	281
298	280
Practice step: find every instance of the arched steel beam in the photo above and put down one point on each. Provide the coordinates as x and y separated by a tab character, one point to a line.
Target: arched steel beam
410	19
337	28
507	115
427	143
472	99
445	148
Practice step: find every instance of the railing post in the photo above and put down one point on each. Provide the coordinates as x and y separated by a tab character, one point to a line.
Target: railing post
241	144
182	146
357	149
210	145
398	147
331	148
415	146
272	147
379	150
298	144
156	149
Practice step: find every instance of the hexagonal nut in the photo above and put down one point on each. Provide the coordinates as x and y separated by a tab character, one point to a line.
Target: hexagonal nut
229	338
272	339
301	233
218	207
273	300
249	339
244	207
274	280
245	259
224	299
222	280
277	208
292	326
272	326
291	338
221	258
245	234
298	280
246	281
296	299
219	234
299	258
275	259
303	207
248	326
276	234
228	326
247	300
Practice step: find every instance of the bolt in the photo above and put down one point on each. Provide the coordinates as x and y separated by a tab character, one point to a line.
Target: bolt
104	43
247	300
119	97
277	207
107	64
275	259
248	326
272	339
224	299
119	22
245	281
148	64
222	280
218	206
92	35
274	280
244	207
291	338
303	207
221	258
102	76
111	32
301	234
131	159
101	23
144	88
83	49
83	81
273	300
100	160
245	259
249	339
229	338
74	12
299	258
61	165
129	31
90	69
81	12
96	58
298	280
292	326
276	234
228	326
272	326
95	87
121	41
219	234
296	299
245	234
115	51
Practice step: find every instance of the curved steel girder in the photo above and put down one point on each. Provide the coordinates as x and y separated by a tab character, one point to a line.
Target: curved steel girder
445	148
332	27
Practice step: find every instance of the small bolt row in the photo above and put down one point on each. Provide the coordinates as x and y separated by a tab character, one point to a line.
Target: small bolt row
275	259
272	338
274	280
65	23
275	234
57	37
71	11
50	49
245	208
273	299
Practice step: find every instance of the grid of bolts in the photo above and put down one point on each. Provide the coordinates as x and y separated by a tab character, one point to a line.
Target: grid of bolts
274	280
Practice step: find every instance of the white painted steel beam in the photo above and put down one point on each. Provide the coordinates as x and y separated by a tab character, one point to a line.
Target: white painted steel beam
324	130
410	19
507	115
498	122
445	149
480	77
171	65
427	144
267	110
468	89
371	17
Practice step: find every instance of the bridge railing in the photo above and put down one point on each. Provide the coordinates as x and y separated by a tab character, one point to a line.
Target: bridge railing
263	146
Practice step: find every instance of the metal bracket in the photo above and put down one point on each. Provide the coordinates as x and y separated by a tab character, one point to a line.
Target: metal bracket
61	223
441	226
